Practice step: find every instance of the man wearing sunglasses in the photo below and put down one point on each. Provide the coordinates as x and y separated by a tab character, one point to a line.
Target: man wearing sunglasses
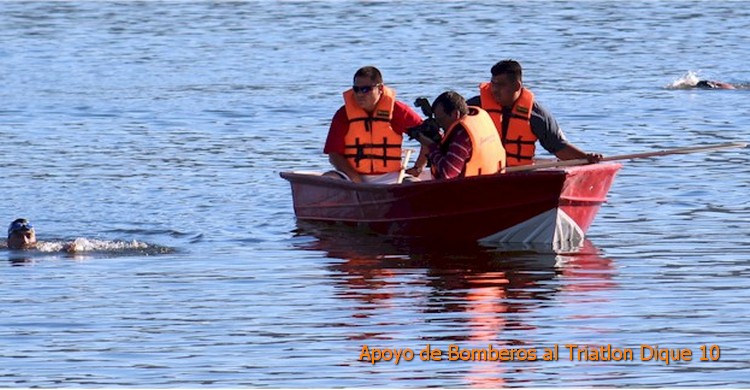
21	235
470	145
521	120
366	133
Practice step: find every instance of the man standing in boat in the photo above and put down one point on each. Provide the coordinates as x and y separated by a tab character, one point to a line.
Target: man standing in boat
470	145
521	120
366	133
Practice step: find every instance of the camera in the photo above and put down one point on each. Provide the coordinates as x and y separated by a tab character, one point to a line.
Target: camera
429	127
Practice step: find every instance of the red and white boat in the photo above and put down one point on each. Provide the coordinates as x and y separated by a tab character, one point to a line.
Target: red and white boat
545	206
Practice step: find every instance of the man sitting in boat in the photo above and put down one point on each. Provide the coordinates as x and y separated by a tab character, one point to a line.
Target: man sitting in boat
21	235
366	133
470	144
521	120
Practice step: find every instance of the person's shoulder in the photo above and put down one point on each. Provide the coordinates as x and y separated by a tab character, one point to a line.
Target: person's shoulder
401	106
542	121
339	125
462	138
403	110
340	114
404	117
540	110
460	132
475	101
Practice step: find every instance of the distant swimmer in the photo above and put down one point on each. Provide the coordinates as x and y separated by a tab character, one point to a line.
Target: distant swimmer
21	235
25	249
710	84
692	81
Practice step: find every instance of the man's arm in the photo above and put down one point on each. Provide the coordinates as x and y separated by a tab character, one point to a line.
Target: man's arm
572	152
335	146
405	117
337	132
421	162
552	138
451	164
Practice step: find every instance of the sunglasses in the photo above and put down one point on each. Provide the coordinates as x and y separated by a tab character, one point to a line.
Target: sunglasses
365	89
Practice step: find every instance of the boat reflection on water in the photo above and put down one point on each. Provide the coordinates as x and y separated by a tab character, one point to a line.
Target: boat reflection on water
460	294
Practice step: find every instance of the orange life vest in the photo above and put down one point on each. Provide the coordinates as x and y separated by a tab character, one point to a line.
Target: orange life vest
371	145
487	153
518	139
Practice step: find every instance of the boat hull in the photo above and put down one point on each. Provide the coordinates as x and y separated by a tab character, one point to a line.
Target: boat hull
543	206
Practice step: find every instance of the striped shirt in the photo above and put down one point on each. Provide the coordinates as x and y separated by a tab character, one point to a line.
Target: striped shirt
451	164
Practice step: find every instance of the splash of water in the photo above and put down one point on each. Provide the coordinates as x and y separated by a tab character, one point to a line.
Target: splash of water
81	245
688	80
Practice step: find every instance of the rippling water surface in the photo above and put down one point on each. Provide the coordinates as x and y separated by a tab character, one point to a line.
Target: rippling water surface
165	124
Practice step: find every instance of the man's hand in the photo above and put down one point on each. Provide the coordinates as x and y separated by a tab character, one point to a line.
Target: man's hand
594	157
414	171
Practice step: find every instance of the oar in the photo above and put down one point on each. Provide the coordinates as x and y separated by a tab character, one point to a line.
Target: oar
404	163
633	156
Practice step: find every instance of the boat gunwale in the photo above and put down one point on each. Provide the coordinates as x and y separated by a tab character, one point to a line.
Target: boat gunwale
310	178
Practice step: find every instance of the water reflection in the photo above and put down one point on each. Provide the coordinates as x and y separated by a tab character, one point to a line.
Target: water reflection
465	294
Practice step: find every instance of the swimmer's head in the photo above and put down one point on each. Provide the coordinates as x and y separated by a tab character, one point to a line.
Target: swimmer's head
21	235
706	84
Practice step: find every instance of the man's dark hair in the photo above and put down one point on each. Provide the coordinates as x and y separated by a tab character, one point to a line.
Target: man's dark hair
451	100
509	67
370	72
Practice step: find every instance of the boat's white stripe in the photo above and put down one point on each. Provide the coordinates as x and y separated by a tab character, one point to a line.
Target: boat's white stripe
550	227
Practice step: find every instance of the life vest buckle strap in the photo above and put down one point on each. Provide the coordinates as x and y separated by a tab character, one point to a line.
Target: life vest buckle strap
518	142
379	146
373	156
517	156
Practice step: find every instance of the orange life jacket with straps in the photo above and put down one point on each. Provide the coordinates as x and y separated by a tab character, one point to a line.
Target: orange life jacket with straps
371	145
518	139
487	153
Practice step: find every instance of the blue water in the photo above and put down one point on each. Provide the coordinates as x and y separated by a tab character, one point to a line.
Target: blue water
166	124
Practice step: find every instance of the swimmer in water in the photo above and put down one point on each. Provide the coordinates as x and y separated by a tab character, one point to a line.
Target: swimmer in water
24	247
710	84
692	81
21	235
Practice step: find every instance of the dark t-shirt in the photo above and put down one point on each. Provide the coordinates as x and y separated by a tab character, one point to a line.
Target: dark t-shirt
543	125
